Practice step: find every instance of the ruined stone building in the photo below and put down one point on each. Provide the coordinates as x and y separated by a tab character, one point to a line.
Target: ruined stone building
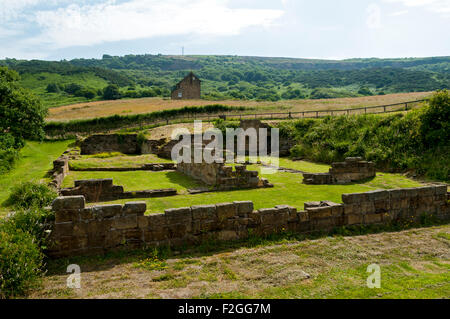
188	88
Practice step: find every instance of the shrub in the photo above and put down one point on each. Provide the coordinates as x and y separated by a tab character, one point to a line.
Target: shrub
23	238
30	194
20	262
419	140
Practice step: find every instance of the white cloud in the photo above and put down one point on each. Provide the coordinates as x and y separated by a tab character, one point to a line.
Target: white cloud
373	20
137	19
398	13
438	6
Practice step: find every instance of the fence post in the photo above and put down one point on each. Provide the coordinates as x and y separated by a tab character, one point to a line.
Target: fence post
406	106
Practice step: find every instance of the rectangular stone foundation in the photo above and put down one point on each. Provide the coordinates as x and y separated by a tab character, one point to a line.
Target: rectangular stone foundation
82	230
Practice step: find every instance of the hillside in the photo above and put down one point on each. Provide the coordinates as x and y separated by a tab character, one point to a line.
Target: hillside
230	77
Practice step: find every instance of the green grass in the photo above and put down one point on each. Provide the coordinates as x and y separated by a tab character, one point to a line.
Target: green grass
117	160
138	180
303	166
288	189
398	280
35	160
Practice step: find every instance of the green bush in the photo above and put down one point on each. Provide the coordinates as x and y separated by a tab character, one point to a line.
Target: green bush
30	194
20	263
419	140
23	238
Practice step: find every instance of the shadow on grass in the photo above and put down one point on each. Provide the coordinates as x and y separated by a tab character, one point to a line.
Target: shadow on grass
184	180
209	248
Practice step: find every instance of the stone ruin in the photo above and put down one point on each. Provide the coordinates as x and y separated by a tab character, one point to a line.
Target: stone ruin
130	144
219	175
80	230
352	170
103	190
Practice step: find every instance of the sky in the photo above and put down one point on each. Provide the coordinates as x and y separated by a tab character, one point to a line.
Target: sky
325	29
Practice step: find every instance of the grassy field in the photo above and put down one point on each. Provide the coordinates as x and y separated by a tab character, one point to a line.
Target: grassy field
35	160
117	160
414	263
288	189
147	105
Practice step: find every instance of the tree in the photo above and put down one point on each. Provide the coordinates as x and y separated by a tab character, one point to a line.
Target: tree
111	92
53	88
21	113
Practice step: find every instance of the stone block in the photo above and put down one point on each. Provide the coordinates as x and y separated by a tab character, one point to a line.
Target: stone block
66	216
337	210
63	229
68	202
311	204
138	208
203	212
354	198
125	222
86	214
156	221
107	211
353	219
142	222
319	212
226	210
178	215
303	216
244	207
426	191
440	189
373	218
80	229
377	195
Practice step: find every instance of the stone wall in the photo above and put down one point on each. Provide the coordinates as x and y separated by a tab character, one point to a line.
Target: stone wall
102	143
144	167
101	190
59	171
223	177
80	230
352	170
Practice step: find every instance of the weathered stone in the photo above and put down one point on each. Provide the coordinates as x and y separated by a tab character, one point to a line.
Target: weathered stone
203	212
353	219
319	212
68	202
125	222
67	216
226	210
156	221
138	208
107	211
244	207
142	221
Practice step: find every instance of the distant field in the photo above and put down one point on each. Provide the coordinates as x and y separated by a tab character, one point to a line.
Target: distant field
147	105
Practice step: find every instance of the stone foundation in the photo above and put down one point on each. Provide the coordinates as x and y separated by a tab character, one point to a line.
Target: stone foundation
102	190
352	170
79	230
59	171
103	143
222	177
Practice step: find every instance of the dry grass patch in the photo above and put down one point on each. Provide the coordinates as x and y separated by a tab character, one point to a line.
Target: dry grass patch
414	263
147	105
